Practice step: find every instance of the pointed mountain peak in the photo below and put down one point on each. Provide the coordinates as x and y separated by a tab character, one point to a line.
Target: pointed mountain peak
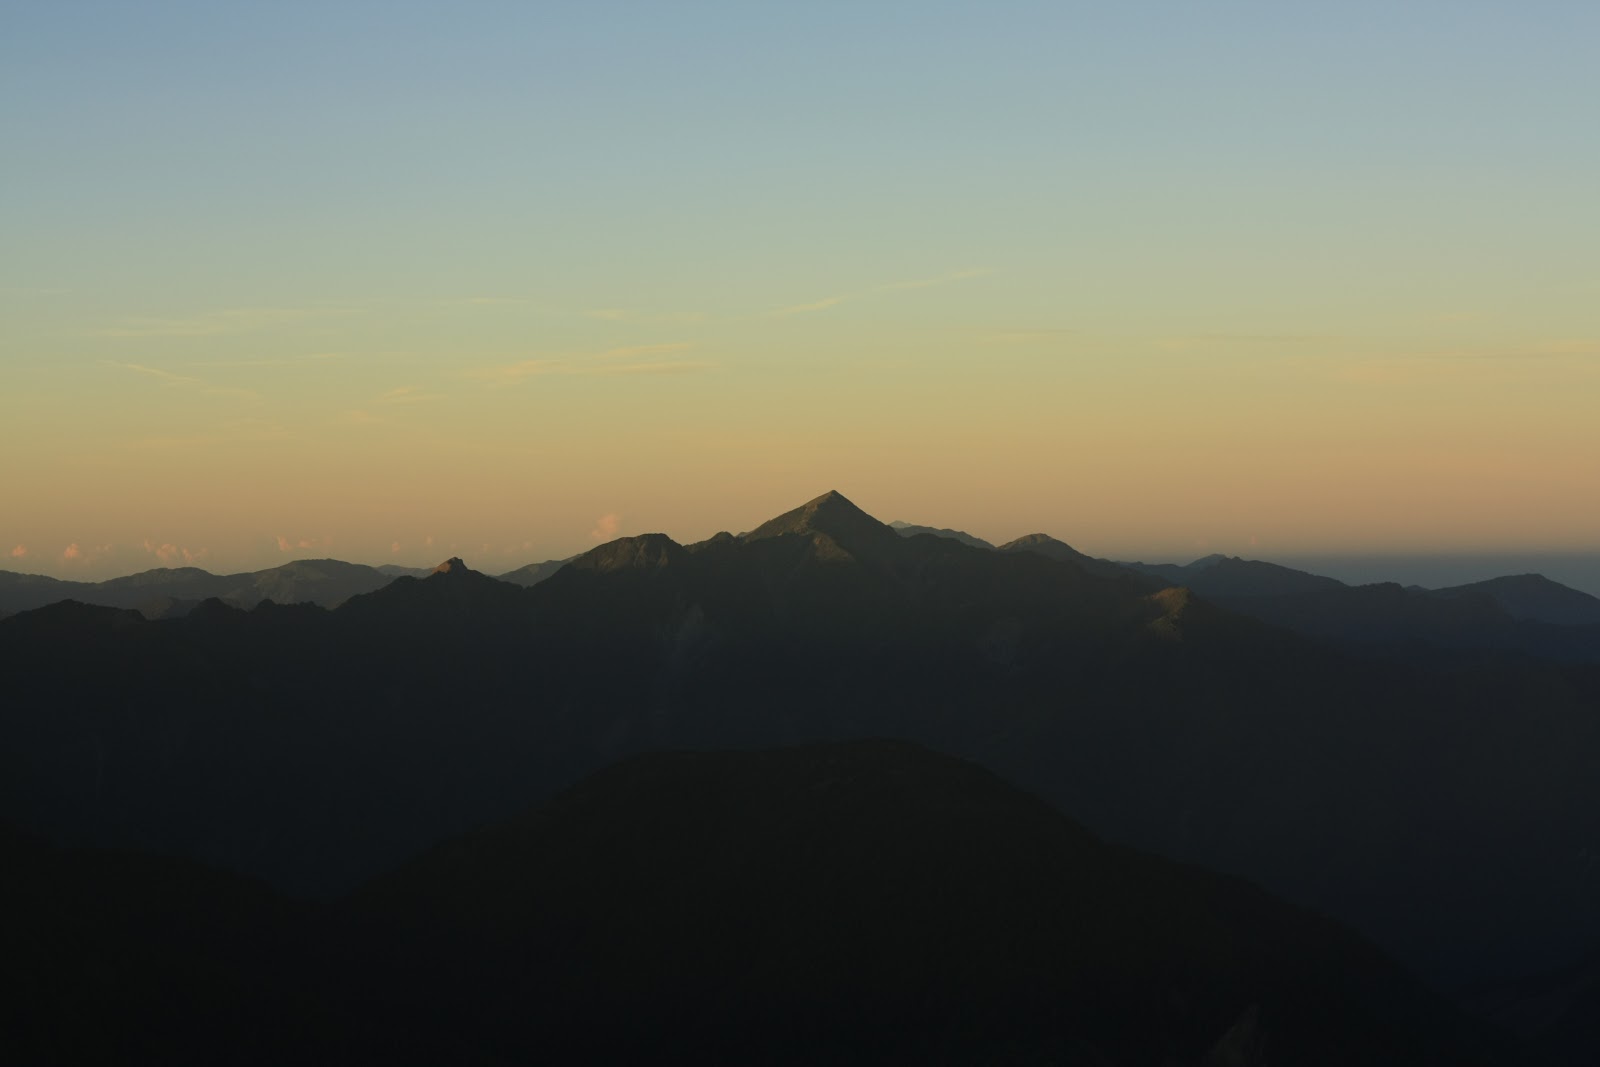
833	515
453	565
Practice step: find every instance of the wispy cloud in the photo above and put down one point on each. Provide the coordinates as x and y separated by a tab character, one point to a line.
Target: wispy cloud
286	361
157	372
218	323
634	351
76	553
889	287
291	544
1027	337
606	527
31	290
1549	363
19	551
928	283
601	364
168	553
816	305
404	394
183	380
648	318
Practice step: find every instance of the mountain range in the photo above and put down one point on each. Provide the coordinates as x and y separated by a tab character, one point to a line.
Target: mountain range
1438	798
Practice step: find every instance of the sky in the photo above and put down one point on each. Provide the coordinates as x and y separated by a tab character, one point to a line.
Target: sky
394	281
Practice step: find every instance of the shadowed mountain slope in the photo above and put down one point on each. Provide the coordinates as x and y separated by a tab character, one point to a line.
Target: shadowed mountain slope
835	526
1532	598
872	902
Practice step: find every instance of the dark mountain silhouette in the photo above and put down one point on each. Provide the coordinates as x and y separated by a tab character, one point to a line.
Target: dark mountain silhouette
1439	800
452	594
906	529
1533	598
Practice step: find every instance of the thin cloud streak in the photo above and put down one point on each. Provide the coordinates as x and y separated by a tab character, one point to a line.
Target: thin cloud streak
218	323
288	361
889	287
816	305
595	364
642	350
183	380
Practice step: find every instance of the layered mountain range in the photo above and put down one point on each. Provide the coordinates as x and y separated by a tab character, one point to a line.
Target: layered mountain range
1442	804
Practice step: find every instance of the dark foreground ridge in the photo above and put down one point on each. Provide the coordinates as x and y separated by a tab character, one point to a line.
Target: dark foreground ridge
866	902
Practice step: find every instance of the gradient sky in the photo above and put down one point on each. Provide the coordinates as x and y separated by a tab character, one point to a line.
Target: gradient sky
392	281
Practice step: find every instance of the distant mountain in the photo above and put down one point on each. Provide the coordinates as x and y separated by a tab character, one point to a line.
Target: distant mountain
394	570
871	902
534	573
1047	546
452	594
327	582
1534	598
906	529
1222	577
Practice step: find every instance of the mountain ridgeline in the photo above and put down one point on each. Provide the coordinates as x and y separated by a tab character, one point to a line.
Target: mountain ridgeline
1434	792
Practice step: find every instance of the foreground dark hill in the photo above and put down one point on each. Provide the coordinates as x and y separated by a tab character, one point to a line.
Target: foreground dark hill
1445	805
118	957
871	902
